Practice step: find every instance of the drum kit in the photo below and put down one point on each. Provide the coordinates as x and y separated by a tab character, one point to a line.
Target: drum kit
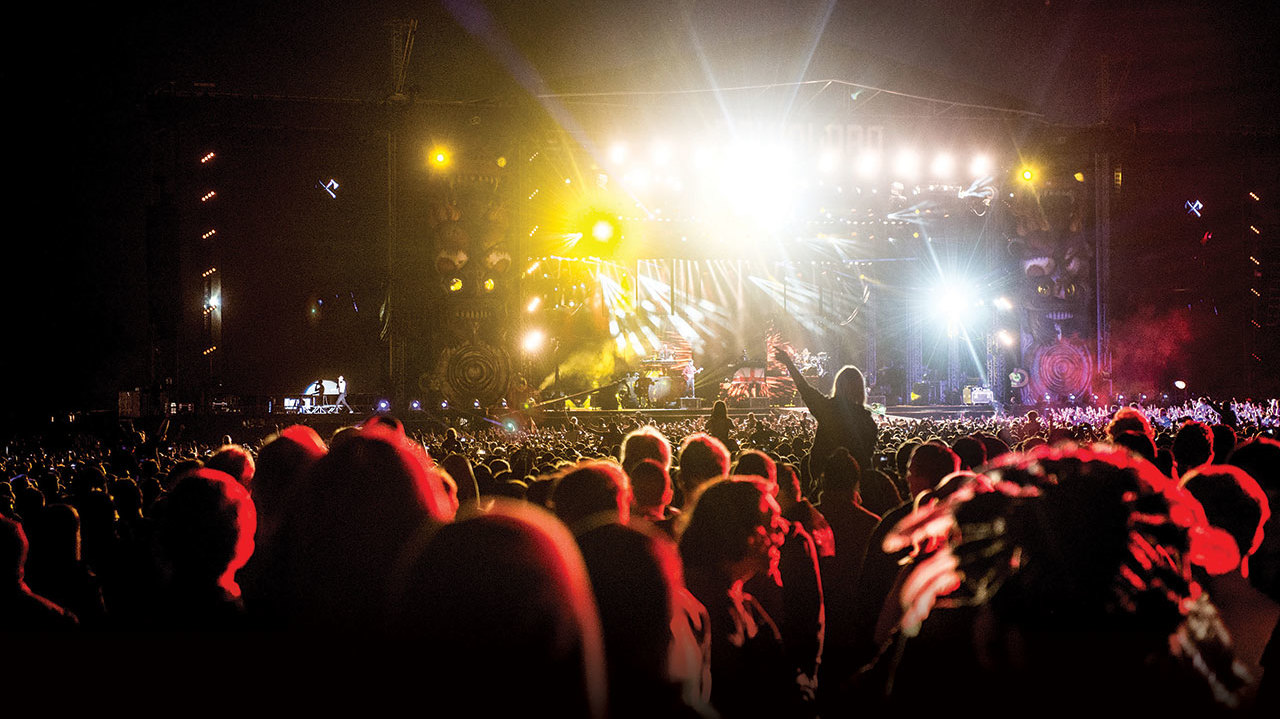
658	383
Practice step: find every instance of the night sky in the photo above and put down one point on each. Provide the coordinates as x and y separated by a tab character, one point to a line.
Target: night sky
74	295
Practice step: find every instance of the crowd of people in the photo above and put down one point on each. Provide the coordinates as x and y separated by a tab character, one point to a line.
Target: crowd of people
827	562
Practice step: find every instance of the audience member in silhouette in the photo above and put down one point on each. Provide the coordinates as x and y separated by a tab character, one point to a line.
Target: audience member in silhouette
1224	442
367	503
792	593
852	526
1236	510
205	536
499	612
1192	447
843	418
1260	458
592	493
636	577
459	467
877	492
720	425
1136	442
235	460
652	492
797	508
971	451
703	458
21	610
733	532
55	569
1057	584
874	613
646	442
279	476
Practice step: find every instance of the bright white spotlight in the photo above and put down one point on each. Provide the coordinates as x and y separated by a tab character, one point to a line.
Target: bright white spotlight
602	230
415	405
384	405
638	179
660	152
953	305
703	157
1180	384
868	164
1003	304
906	165
618	153
829	161
944	166
981	166
533	341
1005	338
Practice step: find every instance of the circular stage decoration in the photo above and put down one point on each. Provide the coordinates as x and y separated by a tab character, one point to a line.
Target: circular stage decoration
1018	378
1060	369
474	371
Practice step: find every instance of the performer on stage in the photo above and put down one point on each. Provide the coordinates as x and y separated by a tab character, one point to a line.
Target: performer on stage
318	401
643	383
690	372
342	395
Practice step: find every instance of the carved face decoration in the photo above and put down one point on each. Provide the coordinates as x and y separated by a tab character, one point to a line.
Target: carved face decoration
1056	286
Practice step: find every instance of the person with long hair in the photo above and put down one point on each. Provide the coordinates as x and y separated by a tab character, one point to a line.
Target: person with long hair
719	424
843	418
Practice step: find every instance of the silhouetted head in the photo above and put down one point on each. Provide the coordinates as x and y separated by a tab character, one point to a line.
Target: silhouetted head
733	530
503	608
755	463
702	457
235	460
590	493
647	442
840	476
850	385
1192	446
929	463
1235	503
650	485
207	527
282	462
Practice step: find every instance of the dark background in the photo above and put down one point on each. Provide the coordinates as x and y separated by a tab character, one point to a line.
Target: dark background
74	302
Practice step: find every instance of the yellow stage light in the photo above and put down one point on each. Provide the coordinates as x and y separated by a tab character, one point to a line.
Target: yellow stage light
455	284
1028	174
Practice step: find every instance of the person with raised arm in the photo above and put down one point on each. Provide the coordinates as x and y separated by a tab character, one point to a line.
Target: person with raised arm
843	418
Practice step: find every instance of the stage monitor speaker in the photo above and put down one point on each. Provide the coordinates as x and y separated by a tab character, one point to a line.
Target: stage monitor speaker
690	403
